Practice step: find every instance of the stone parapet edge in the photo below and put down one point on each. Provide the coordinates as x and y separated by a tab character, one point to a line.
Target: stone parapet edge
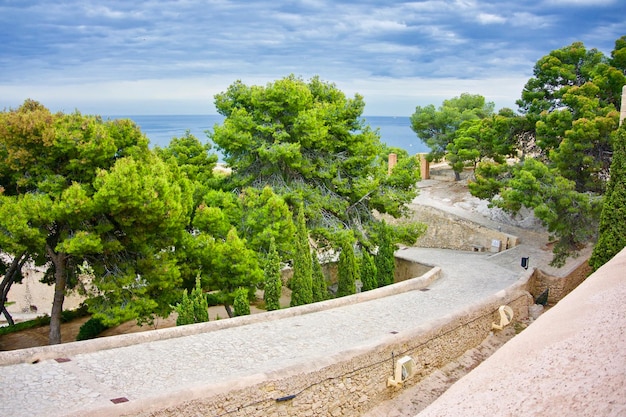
65	350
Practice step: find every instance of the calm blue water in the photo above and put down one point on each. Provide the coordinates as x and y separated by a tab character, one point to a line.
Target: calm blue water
394	131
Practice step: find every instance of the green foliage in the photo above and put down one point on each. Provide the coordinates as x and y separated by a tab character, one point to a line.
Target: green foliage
437	127
258	215
193	308
302	280
384	259
400	187
307	141
368	272
555	73
273	283
492	137
147	209
567	213
80	192
612	238
90	329
242	304
320	288
570	114
190	158
347	270
573	97
229	265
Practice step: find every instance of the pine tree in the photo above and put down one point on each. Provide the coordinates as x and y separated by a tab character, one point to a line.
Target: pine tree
347	271
273	282
302	280
320	289
612	235
241	303
385	260
368	272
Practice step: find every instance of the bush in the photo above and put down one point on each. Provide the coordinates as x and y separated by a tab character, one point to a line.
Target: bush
69	315
91	329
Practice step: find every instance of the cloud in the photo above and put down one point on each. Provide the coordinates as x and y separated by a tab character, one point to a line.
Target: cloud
488	18
582	3
154	53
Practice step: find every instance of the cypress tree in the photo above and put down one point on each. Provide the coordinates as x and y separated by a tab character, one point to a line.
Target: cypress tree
320	289
302	280
368	272
384	260
273	282
347	270
193	308
612	235
241	303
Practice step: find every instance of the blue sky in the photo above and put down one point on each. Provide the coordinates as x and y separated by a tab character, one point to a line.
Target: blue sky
172	57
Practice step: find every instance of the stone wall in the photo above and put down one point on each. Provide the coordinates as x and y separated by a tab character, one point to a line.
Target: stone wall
408	269
347	384
558	286
448	231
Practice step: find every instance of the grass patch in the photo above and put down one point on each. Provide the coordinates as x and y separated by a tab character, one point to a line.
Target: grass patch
66	317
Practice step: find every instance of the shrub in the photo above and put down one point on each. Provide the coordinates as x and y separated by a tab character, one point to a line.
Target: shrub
91	329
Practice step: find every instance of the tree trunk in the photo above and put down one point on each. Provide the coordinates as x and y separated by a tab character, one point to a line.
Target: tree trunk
60	280
229	310
457	176
10	277
7	315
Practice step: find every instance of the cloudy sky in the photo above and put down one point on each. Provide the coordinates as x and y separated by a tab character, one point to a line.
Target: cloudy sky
172	57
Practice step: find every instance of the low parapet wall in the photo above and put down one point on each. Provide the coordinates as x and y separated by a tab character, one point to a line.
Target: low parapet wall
70	349
346	384
559	286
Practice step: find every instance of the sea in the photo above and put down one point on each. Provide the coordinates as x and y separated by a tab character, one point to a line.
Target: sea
160	129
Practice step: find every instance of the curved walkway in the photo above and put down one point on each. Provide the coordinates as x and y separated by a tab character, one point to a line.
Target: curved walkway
140	372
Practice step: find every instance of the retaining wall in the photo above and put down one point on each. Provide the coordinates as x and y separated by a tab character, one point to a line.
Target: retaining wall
448	231
350	383
558	286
